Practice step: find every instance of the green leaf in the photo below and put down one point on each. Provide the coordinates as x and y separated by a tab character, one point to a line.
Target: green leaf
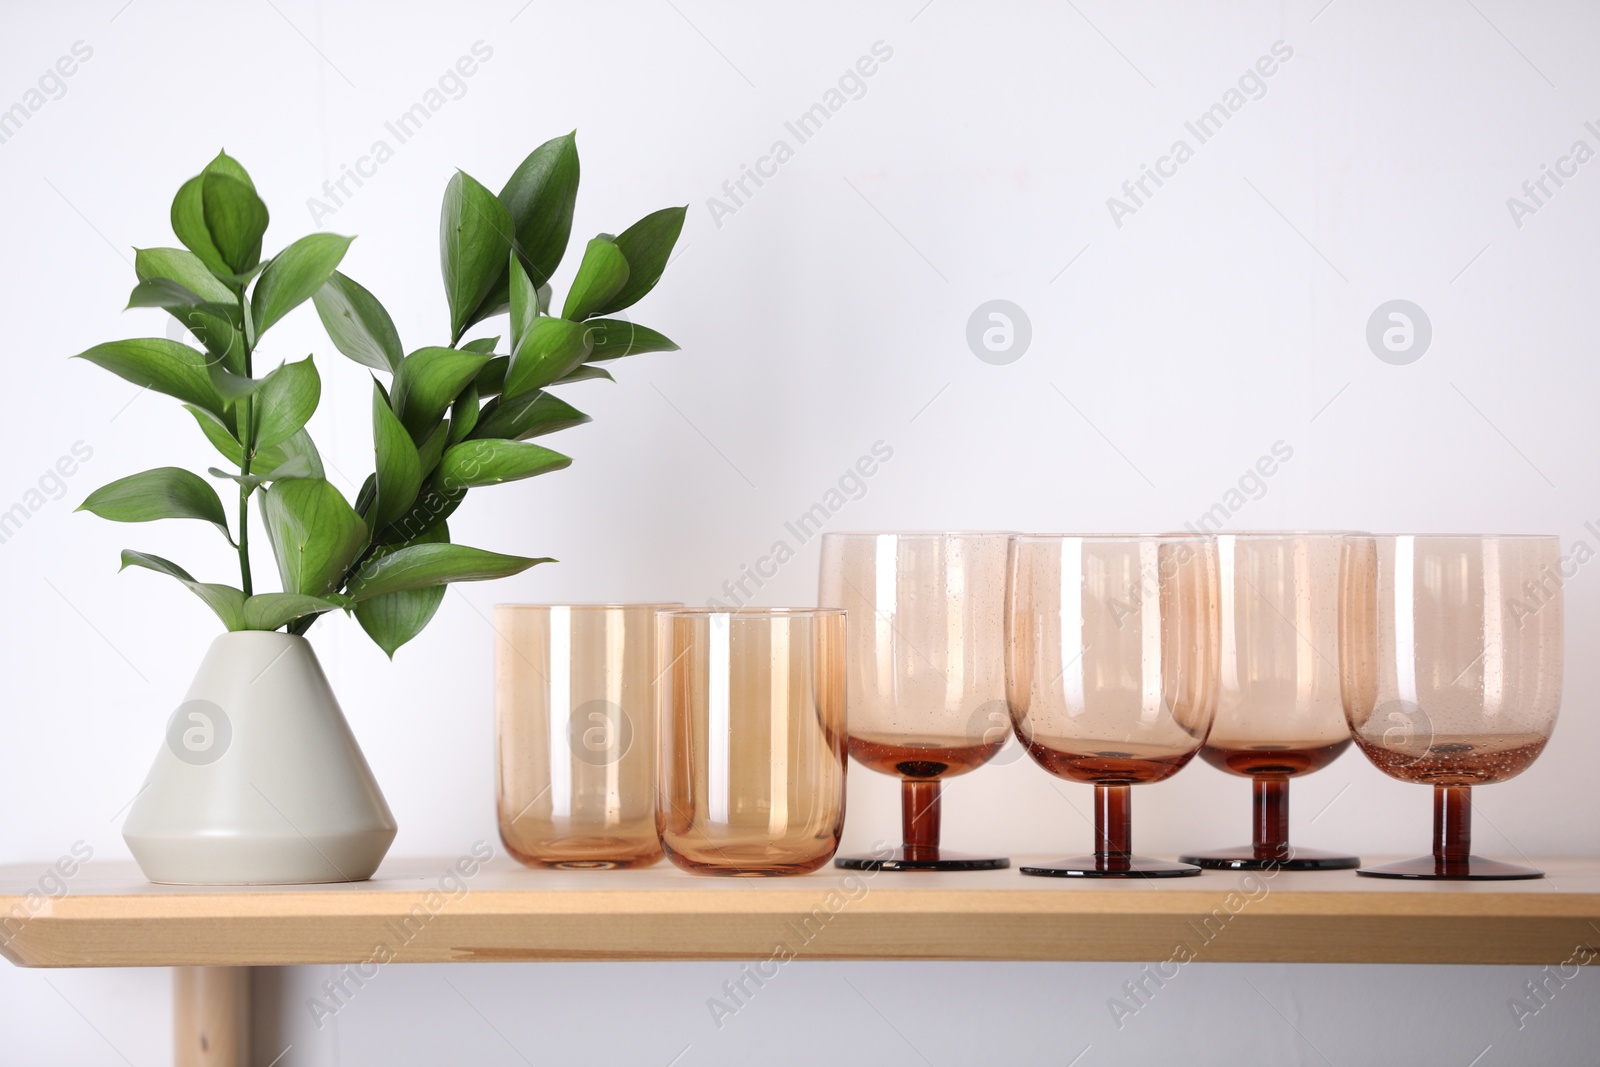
490	462
183	267
295	467
295	457
524	302
492	378
428	380
218	216
498	300
550	350
225	600
529	415
615	338
419	566
432	447
233	387
399	476
434	505
166	366
294	276
217	433
539	196
163	293
584	373
162	493
252	482
315	534
189	224
286	400
244	278
358	325
226	165
268	611
474	239
647	245
218	330
236	219
367	495
485	345
463	414
392	619
603	272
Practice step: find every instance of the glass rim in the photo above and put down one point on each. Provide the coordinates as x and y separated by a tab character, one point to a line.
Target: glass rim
1463	536
1120	538
1286	535
749	612
923	535
594	606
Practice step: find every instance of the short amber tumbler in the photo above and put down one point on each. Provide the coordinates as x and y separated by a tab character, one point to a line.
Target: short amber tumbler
751	720
576	734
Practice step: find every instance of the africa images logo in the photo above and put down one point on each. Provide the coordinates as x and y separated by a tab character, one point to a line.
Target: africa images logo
199	732
1399	332
599	733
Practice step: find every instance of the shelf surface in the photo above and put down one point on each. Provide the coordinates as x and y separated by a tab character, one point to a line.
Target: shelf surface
415	912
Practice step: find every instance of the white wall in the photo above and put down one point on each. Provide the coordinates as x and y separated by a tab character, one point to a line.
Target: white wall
826	313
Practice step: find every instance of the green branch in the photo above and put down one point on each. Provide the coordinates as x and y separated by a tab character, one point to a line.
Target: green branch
247	439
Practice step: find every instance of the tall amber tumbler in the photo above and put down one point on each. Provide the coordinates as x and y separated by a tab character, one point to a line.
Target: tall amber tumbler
576	734
1279	712
1111	673
750	707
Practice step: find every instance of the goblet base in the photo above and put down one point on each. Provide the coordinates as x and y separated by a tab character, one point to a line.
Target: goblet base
1471	869
1245	858
1120	866
922	859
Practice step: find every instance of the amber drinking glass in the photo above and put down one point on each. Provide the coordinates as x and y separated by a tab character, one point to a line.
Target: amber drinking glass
1279	713
926	671
1450	650
1111	673
752	727
576	733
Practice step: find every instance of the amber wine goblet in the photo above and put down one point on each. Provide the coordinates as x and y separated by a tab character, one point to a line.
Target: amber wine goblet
1279	714
1112	673
926	671
1450	651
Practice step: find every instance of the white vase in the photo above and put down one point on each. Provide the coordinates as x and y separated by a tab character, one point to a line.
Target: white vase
259	780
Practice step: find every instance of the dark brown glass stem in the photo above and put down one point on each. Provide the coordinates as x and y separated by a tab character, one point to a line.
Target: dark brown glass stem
1452	825
1113	827
1271	825
919	817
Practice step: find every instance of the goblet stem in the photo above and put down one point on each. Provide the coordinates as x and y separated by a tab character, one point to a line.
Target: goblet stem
919	817
1452	846
1452	825
1271	826
1113	827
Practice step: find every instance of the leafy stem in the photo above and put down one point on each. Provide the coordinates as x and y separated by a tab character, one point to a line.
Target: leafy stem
452	418
247	437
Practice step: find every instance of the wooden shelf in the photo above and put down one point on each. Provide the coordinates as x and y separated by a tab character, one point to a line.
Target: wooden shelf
111	917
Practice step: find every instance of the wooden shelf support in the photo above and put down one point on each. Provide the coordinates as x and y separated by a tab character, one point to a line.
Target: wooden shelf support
211	1016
